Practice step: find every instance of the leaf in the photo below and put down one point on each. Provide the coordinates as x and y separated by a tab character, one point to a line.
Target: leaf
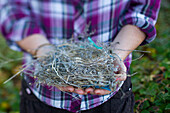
152	89
152	99
167	75
152	50
142	91
5	105
167	88
145	111
167	107
145	104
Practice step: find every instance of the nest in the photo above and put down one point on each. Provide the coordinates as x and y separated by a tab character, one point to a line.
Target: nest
80	64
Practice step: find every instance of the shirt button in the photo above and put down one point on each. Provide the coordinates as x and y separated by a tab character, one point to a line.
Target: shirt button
28	91
20	93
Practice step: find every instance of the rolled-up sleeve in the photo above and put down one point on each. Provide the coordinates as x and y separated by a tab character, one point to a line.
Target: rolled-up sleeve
16	22
143	14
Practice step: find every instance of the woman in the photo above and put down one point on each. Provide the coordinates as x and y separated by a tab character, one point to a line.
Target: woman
30	25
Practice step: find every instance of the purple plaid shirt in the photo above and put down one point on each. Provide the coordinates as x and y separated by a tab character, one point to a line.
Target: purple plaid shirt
62	18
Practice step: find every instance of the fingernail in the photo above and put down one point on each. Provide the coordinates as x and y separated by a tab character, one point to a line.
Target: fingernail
88	91
98	93
69	90
117	79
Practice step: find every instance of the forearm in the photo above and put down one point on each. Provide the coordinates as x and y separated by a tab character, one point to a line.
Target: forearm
32	42
129	38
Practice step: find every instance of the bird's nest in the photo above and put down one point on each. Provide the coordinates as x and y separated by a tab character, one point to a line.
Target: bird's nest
80	64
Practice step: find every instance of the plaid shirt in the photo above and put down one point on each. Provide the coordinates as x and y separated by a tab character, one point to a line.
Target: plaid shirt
62	18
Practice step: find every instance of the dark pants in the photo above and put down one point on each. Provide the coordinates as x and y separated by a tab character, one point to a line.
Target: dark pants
119	103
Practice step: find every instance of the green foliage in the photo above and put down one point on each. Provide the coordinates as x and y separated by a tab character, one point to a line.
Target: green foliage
150	85
9	93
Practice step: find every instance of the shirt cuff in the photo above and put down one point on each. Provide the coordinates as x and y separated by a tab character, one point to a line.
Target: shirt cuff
145	24
21	30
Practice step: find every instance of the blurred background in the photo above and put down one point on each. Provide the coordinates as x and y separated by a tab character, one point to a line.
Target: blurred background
150	84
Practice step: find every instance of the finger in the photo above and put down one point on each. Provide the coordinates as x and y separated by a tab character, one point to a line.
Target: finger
66	88
123	78
89	90
79	91
123	74
123	68
69	88
60	88
101	92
